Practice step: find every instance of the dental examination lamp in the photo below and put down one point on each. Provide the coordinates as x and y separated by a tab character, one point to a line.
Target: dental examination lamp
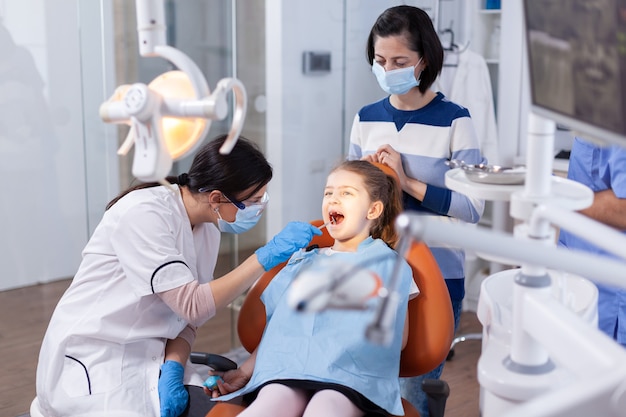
170	116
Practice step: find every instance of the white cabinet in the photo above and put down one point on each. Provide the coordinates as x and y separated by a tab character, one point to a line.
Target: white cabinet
487	24
486	35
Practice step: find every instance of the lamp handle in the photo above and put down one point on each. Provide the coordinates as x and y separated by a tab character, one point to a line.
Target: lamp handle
239	112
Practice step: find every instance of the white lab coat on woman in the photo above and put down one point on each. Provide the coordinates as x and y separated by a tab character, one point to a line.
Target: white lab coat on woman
106	340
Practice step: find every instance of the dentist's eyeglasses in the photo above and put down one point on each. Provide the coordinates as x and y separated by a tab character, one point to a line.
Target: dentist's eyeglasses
259	203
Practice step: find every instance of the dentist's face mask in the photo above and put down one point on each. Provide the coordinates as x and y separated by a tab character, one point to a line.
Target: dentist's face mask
398	81
247	215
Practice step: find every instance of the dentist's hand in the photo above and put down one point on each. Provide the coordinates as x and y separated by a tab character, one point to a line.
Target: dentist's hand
172	392
295	236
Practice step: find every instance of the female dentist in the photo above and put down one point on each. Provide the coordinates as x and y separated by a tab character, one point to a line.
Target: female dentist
120	335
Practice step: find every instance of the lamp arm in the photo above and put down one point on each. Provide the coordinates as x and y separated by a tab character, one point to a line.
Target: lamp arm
151	25
380	330
207	108
601	269
186	65
239	112
599	234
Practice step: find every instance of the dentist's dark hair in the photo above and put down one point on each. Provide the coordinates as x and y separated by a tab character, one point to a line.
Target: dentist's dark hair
415	26
244	167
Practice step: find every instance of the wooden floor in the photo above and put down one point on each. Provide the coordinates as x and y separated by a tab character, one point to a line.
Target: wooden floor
24	315
460	371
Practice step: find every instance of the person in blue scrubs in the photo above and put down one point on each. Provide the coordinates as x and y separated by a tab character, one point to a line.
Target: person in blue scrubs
603	169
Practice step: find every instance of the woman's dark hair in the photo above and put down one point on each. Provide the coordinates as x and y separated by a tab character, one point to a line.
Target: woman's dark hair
244	167
381	186
415	25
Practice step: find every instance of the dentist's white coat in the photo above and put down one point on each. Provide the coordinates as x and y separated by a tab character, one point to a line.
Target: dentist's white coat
105	342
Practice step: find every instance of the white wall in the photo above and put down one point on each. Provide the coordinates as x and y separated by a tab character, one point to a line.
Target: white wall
304	117
361	87
53	178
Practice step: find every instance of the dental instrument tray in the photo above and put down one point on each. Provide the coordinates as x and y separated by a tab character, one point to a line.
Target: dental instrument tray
490	174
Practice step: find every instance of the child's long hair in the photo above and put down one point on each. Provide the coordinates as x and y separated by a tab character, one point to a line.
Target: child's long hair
382	185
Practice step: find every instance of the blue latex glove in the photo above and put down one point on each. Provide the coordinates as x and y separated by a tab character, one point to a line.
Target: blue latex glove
295	236
172	392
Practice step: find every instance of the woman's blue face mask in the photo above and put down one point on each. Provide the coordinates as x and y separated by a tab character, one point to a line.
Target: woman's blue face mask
245	218
399	81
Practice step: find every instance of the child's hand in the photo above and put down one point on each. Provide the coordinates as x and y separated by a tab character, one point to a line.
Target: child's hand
211	381
227	382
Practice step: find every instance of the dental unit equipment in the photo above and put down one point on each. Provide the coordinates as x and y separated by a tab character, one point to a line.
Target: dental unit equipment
546	359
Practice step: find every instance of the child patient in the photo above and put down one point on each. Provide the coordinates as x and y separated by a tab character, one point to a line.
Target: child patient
320	364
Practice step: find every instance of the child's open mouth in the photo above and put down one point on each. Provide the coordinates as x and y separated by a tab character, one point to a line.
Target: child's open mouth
335	218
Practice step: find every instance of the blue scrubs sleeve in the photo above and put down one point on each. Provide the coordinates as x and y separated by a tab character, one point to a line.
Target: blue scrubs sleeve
617	171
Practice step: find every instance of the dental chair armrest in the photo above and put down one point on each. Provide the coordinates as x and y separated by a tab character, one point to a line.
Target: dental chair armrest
437	392
215	362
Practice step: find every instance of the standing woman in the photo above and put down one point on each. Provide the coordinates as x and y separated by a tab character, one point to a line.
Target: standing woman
121	334
415	131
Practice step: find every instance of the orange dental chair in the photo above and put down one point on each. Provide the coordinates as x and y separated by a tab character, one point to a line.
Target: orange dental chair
431	326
